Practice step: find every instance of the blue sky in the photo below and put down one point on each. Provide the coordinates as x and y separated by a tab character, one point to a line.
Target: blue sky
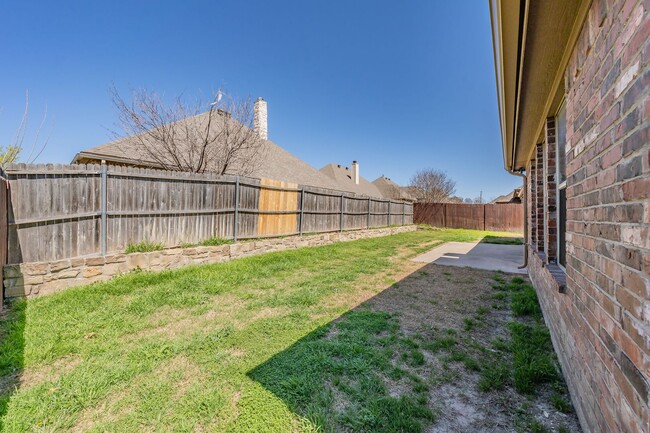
396	85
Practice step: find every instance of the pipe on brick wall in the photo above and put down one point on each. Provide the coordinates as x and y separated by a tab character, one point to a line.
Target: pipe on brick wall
525	203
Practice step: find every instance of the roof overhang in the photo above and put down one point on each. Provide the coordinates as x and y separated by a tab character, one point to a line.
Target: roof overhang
532	41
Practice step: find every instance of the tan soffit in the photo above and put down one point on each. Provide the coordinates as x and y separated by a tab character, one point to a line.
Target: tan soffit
546	34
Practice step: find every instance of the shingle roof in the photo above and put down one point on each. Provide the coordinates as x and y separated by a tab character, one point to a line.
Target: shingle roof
342	177
390	189
274	161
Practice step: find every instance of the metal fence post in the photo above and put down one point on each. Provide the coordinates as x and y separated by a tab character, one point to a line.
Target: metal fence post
103	205
236	213
302	208
341	216
369	199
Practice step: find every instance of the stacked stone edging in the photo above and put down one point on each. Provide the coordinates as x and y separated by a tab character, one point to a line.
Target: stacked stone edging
32	279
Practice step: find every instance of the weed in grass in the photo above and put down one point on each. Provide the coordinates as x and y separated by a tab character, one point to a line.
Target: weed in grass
532	356
563	429
537	427
501	344
494	377
459	356
144	247
560	403
441	343
500	296
417	358
496	306
468	324
215	241
482	311
524	302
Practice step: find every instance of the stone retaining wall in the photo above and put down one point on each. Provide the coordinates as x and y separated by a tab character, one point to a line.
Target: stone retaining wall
32	279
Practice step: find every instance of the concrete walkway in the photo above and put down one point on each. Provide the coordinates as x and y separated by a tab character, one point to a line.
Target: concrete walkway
493	257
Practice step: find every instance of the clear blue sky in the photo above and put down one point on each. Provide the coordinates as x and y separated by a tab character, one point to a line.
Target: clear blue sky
396	85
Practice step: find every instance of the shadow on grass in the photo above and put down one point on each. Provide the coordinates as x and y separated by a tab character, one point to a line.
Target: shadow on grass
357	373
12	345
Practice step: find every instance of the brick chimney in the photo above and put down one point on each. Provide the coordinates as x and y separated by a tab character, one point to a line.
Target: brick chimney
355	172
260	119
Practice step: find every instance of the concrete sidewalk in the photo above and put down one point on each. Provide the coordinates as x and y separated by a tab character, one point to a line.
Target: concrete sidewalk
493	257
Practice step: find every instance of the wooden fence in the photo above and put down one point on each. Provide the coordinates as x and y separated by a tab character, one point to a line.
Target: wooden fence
507	217
62	211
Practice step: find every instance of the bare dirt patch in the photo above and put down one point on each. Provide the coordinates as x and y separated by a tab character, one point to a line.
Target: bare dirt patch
436	302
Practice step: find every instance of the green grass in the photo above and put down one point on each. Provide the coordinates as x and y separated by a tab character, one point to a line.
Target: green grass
513	239
144	247
530	348
242	346
210	242
524	302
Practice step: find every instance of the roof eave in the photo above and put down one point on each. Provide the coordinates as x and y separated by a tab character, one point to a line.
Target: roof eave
505	16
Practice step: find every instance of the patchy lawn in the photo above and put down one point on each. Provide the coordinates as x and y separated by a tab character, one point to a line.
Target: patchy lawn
349	337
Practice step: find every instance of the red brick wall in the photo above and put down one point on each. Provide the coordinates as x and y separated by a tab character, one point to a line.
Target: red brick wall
532	201
601	324
539	197
550	192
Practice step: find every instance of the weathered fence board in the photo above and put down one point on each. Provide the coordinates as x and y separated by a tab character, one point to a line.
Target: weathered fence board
63	211
507	217
4	186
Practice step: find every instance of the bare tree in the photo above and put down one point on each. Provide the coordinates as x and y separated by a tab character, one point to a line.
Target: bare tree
185	137
433	186
13	151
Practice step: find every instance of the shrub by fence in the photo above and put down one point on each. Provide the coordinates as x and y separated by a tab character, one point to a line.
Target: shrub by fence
506	217
62	211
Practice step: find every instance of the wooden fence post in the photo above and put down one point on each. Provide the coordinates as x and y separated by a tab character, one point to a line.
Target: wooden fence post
389	201
483	217
341	216
302	208
403	212
236	213
368	223
102	197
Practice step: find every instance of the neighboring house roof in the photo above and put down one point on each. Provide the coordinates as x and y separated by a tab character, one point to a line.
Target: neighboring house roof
342	177
390	189
512	197
274	162
530	62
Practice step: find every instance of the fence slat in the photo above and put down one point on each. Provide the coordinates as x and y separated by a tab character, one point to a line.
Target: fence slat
506	217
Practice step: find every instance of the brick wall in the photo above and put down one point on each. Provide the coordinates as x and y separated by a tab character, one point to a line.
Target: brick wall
550	192
601	323
532	201
539	197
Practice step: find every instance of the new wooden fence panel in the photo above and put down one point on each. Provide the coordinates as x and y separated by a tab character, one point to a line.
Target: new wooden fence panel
465	216
276	200
506	217
430	213
496	217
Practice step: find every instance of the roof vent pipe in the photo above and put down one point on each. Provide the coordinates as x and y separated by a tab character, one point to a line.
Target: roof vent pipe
355	172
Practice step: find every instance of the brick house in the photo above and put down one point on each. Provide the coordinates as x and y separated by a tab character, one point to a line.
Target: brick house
573	81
